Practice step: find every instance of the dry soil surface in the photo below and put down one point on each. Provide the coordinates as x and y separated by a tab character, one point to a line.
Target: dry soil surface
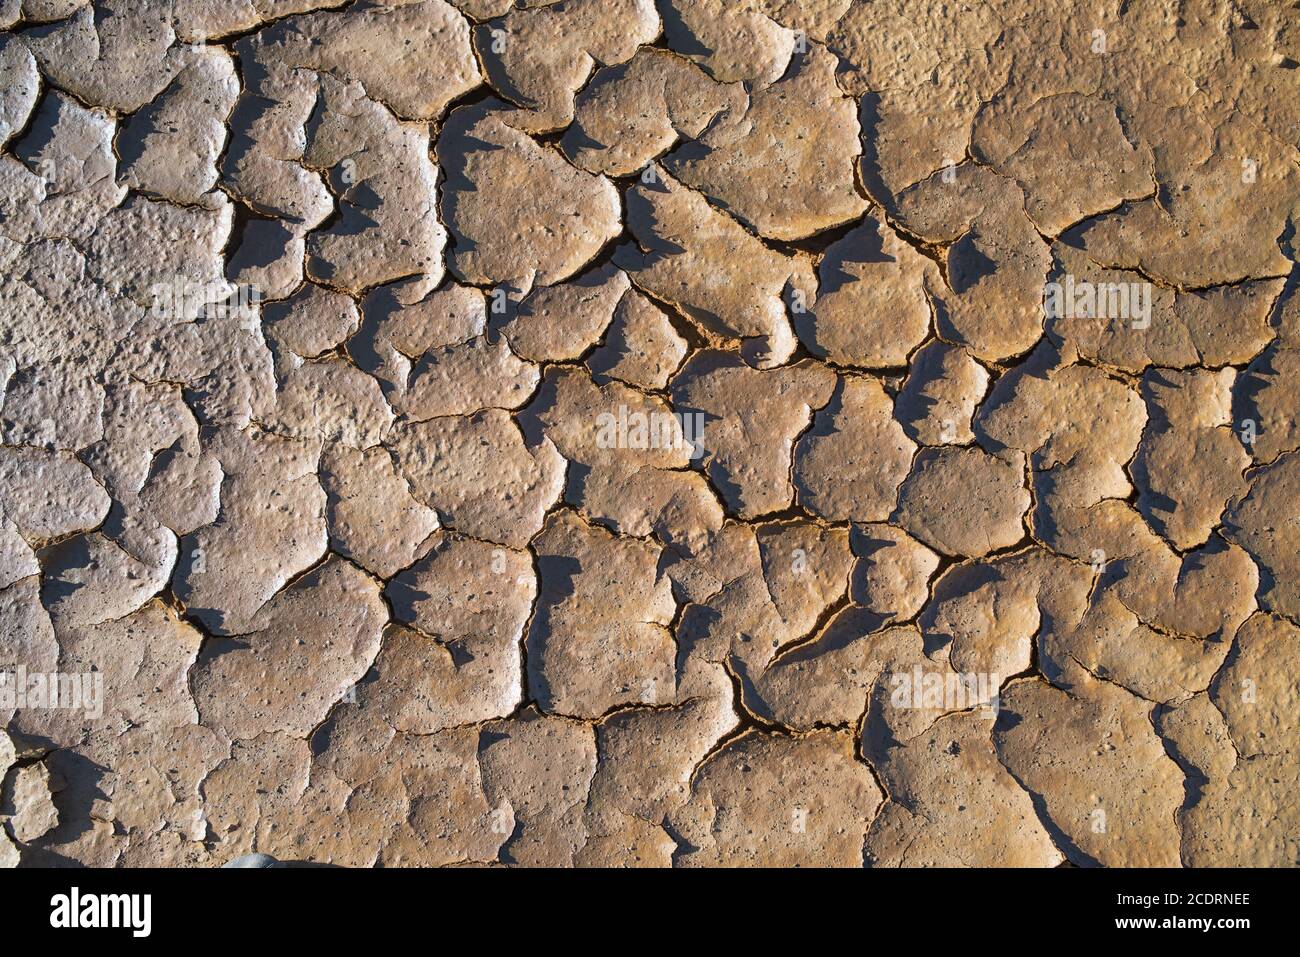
649	432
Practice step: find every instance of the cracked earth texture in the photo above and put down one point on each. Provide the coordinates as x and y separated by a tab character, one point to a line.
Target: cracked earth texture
649	432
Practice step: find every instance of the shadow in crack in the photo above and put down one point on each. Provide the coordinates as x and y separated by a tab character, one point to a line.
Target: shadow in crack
967	264
556	577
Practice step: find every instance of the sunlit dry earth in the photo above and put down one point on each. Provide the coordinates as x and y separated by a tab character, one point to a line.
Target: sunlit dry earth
635	433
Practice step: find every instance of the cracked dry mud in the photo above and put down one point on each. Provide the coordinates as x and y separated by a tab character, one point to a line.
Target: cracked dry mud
636	433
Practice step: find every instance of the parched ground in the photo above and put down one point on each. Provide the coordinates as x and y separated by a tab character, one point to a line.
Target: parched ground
649	432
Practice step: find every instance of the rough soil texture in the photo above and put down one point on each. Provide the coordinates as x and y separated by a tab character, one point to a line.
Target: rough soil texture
649	432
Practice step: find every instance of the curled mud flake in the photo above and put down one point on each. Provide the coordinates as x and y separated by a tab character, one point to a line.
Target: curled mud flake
541	768
892	573
751	419
1022	140
272	516
304	649
1190	463
28	802
540	55
954	805
480	475
849	465
67	169
1258	702
170	147
1263	523
733	42
922	71
642	347
780	800
373	518
587	655
629	456
709	267
963	501
784	164
944	386
995	261
518	213
871	307
310	323
561	322
388	226
755	596
20	84
118	57
415	58
631	113
467	603
1105	788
